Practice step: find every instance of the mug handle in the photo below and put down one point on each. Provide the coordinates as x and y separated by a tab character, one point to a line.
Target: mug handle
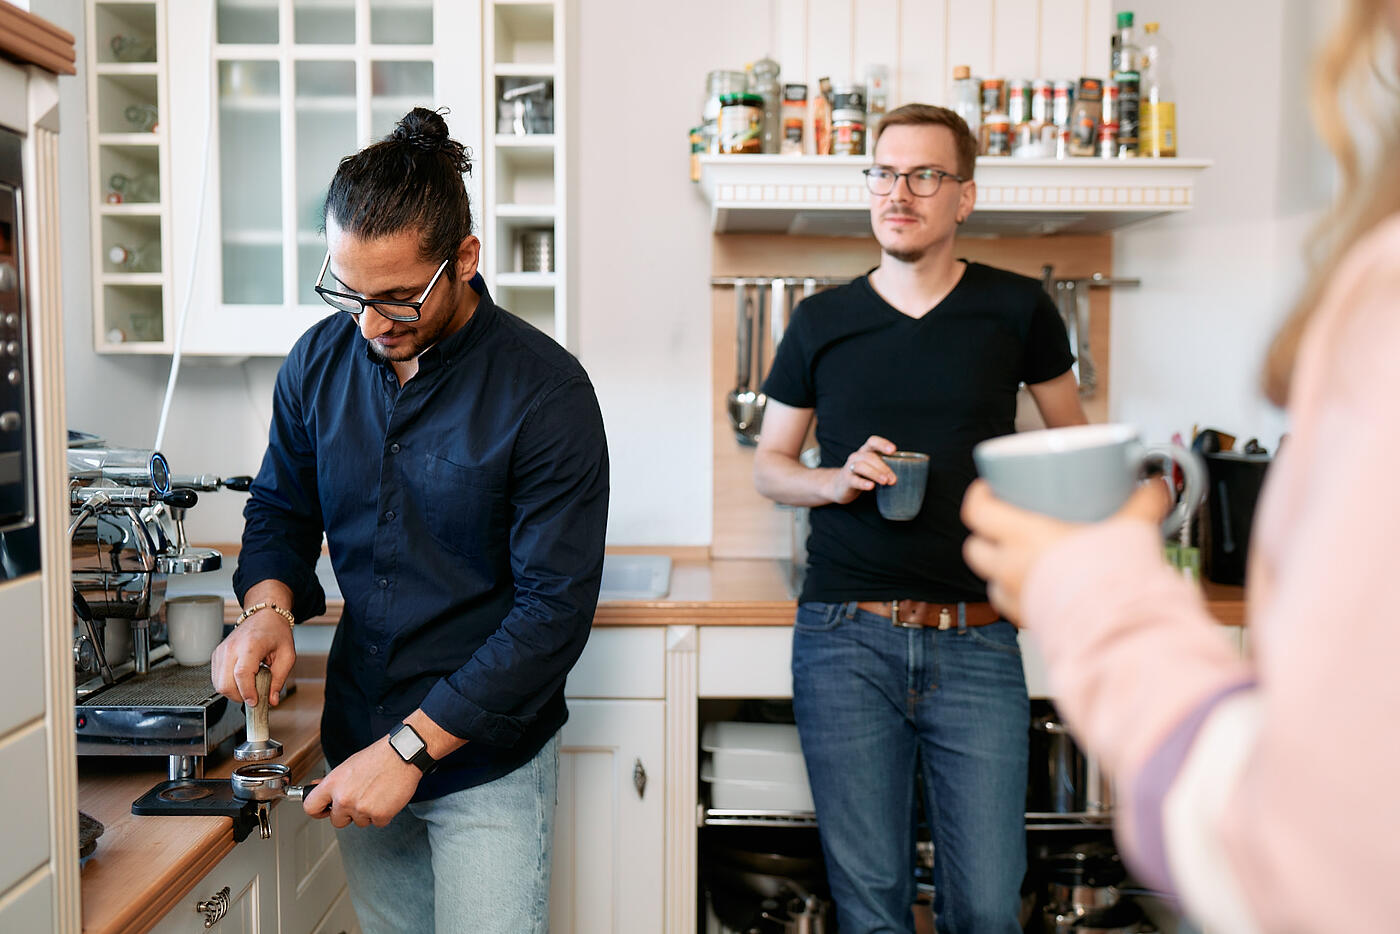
1194	470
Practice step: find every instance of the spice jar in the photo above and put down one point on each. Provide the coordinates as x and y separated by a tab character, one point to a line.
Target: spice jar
1108	140
717	84
996	135
741	123
848	132
794	119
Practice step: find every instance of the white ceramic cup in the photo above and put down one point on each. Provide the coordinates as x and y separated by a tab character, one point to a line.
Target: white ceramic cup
195	624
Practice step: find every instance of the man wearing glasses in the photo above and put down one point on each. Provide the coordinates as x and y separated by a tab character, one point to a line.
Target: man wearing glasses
454	459
903	675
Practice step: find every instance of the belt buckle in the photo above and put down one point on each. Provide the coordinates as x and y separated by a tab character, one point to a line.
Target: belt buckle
896	621
945	618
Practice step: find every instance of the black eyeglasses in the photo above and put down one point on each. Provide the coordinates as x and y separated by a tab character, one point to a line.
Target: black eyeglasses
923	183
356	304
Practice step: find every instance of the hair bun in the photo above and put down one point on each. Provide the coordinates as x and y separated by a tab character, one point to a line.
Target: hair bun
426	131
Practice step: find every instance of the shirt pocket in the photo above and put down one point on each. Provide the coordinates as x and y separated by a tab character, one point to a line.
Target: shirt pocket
464	508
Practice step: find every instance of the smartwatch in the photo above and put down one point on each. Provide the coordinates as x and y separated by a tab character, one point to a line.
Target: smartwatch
411	748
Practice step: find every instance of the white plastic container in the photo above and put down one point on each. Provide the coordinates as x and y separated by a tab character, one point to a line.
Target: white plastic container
755	752
731	794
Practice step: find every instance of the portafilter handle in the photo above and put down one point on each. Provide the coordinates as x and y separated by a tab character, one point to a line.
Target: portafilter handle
259	746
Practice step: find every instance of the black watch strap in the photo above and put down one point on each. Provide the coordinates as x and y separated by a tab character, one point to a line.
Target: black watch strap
418	749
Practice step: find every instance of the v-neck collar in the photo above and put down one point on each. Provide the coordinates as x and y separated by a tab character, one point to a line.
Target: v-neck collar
881	301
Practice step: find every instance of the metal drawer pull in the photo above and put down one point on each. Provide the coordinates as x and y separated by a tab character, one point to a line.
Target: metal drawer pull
639	778
215	908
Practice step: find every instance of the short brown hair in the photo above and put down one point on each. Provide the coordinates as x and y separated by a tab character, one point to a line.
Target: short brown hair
929	115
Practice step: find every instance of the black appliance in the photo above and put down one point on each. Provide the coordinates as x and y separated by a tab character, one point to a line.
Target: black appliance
19	529
1235	481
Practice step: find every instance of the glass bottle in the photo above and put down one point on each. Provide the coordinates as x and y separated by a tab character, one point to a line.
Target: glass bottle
142	118
967	98
763	81
143	257
141	187
1158	107
1128	79
877	98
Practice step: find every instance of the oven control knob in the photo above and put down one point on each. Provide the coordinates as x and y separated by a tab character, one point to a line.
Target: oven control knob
12	348
10	320
9	279
13	377
9	421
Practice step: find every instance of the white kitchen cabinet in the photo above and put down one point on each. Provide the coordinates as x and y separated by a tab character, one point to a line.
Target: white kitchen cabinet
265	98
246	880
293	883
310	873
608	828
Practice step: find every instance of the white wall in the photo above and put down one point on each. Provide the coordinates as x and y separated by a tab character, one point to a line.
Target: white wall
1186	346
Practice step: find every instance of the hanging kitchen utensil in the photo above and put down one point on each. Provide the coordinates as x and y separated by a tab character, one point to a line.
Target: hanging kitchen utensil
748	432
739	400
1088	373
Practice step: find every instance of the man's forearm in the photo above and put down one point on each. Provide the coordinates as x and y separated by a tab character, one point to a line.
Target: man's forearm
784	480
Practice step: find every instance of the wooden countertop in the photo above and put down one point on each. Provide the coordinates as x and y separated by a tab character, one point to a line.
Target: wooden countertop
144	866
744	592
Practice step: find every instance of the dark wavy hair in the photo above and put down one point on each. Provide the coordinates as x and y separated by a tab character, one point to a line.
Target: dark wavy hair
409	180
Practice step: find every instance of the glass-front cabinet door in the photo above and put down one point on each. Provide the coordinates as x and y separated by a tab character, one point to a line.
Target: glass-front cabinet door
267	97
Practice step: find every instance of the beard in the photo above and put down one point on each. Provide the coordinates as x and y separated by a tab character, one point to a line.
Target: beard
419	340
906	256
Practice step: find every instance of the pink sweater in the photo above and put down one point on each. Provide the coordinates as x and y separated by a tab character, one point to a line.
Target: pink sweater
1265	790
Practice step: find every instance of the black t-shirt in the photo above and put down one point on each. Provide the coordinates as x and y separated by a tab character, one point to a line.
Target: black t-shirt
937	384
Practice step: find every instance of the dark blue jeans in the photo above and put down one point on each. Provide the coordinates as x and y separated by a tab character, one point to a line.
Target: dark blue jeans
874	702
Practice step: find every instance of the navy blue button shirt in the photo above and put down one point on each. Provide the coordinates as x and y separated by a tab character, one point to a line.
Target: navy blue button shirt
465	515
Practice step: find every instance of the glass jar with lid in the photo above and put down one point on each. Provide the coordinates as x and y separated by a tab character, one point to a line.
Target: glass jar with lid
717	84
741	123
763	81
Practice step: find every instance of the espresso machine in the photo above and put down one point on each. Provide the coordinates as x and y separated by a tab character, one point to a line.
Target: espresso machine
127	537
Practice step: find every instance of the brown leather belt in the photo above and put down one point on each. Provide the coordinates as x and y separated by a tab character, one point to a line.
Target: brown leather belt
915	614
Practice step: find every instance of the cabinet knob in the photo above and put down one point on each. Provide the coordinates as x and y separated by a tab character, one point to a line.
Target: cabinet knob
214	908
639	778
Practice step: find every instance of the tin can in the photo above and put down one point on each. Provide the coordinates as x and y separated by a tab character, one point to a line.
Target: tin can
1060	106
1018	102
1040	102
996	135
848	132
993	97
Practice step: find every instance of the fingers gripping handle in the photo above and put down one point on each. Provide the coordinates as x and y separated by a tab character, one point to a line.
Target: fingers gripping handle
259	745
255	714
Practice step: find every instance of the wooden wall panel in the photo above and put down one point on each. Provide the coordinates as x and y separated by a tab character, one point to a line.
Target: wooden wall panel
745	524
969	36
924	69
1016	38
875	41
1062	40
829	40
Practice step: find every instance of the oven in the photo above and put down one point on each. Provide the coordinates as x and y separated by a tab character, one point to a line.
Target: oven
19	530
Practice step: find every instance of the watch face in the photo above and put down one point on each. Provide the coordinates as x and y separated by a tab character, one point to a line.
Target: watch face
406	742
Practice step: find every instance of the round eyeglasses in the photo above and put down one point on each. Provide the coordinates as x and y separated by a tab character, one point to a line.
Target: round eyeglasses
923	182
356	304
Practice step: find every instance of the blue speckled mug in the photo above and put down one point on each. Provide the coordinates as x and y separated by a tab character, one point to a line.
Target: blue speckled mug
1083	473
902	501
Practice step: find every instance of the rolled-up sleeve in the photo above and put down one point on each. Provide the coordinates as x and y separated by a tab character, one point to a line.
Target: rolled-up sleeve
283	525
559	513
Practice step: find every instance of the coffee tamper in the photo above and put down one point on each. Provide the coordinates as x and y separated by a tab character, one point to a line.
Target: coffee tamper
259	746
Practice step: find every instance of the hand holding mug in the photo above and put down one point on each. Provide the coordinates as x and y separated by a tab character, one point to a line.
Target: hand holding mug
863	471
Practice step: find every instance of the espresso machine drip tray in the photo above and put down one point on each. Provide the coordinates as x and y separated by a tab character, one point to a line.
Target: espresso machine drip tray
171	711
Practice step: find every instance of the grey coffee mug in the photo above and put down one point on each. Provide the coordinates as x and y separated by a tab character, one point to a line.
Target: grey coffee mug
1084	473
902	501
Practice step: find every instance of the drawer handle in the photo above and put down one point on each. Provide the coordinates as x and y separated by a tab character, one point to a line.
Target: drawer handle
639	778
215	908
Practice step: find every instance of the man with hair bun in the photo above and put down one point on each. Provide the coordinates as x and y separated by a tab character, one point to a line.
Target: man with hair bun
453	458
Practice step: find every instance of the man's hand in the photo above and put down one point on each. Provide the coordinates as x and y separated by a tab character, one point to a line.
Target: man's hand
264	636
368	788
862	471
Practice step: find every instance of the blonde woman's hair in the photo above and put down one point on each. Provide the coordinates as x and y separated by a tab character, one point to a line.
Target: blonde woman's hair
1348	62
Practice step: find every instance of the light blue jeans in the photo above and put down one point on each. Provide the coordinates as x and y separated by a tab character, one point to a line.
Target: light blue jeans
876	704
472	862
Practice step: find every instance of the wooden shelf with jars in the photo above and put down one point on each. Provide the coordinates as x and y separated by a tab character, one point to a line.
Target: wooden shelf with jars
524	215
826	195
130	182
